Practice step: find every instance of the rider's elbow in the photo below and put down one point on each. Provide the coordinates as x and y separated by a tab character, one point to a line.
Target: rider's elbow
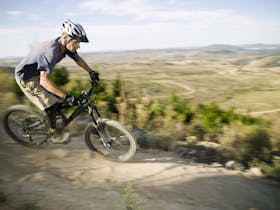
44	78
42	81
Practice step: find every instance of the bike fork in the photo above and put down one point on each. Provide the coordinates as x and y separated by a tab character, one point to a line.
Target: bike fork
100	131
99	127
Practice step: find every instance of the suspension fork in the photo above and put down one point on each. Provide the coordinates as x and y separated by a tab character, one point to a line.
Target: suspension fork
92	110
99	126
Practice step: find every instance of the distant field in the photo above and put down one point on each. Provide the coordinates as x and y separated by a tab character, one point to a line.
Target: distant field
246	80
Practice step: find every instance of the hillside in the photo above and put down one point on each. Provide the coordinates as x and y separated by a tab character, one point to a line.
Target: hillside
71	177
244	77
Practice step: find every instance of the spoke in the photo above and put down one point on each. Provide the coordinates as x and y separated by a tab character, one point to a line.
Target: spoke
16	121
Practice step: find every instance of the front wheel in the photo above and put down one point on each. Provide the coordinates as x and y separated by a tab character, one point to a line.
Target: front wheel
112	140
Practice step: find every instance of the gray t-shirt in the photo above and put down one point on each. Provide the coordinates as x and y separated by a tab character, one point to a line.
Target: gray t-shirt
42	58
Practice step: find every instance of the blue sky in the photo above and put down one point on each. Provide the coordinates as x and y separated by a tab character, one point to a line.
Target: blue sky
139	24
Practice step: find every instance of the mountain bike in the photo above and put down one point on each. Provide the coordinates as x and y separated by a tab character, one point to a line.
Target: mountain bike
107	138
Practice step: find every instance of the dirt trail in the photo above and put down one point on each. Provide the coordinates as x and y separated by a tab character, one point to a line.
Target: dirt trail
188	89
71	177
265	112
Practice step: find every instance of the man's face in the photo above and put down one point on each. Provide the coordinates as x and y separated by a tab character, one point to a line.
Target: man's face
73	45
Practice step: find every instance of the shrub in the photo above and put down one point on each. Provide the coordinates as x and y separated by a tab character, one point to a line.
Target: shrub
60	76
116	85
156	109
197	130
3	197
249	120
213	117
77	86
131	199
248	142
271	170
181	108
115	93
165	143
16	89
274	170
29	206
256	144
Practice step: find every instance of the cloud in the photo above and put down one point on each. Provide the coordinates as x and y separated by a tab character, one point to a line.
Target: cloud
201	26
22	14
139	36
119	8
9	31
71	14
18	41
153	10
15	13
174	34
165	11
156	24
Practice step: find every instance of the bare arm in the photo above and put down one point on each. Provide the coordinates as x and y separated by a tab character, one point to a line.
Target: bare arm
49	85
83	64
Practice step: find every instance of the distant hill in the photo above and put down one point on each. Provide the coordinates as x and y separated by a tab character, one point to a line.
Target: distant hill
146	54
261	46
223	48
7	69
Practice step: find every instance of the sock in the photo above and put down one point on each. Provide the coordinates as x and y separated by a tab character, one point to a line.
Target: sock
51	113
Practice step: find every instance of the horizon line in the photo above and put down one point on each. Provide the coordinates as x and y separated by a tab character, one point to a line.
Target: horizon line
160	48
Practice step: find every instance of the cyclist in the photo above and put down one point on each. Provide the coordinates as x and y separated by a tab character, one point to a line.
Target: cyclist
33	73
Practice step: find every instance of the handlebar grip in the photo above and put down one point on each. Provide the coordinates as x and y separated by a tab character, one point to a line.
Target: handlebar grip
94	75
95	82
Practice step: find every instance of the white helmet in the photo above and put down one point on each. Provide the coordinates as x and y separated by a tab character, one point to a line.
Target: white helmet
74	30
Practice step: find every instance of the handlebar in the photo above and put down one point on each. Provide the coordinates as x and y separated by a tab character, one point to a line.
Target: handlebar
83	98
85	94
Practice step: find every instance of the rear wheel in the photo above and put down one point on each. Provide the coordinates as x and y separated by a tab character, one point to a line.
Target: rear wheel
25	125
113	141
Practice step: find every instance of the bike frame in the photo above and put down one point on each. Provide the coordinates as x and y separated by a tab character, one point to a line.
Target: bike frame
84	104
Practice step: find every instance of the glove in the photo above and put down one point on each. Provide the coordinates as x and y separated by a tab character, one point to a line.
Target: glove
94	75
72	100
